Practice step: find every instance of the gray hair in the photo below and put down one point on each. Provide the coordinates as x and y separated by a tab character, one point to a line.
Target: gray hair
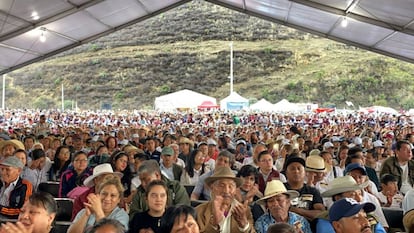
119	228
149	166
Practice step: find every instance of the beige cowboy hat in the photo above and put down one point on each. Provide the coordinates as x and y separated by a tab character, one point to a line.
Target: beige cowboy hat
315	163
223	173
185	140
16	144
342	184
408	220
276	187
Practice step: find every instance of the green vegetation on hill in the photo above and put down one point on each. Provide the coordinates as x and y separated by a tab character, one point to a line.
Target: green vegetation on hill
188	47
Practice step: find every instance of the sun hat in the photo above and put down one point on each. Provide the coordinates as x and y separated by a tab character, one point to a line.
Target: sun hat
378	143
185	140
100	170
12	161
408	220
348	207
328	145
315	163
211	142
223	173
167	151
18	145
342	184
354	166
276	187
201	143
314	152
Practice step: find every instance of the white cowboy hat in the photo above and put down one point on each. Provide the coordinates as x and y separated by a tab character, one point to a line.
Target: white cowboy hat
342	184
101	169
315	163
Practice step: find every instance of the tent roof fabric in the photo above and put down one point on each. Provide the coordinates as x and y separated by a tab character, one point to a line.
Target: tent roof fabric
181	99
382	26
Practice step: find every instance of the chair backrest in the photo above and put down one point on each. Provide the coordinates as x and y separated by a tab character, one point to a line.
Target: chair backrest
50	187
61	227
64	209
394	217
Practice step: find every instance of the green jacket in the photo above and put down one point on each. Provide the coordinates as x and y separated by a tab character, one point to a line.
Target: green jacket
176	195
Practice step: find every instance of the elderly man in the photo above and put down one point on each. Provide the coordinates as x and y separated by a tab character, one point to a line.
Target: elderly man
348	216
277	201
223	213
148	171
168	166
14	191
202	191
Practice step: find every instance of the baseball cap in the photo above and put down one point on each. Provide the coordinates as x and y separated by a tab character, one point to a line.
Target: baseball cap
167	151
12	161
295	159
353	166
328	145
348	207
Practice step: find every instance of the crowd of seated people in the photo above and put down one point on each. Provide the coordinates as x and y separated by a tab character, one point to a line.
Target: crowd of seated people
208	174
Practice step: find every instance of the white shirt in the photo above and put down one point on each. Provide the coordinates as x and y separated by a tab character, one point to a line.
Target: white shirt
167	172
368	197
5	192
405	185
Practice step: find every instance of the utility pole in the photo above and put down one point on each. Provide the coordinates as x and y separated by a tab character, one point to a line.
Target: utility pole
231	67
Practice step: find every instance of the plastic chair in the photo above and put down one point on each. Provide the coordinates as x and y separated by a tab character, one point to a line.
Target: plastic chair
64	209
51	187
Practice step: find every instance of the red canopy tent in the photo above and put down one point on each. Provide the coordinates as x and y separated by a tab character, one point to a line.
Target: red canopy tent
320	110
207	105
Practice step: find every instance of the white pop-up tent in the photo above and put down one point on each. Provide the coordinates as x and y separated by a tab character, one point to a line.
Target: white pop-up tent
234	102
262	105
285	106
184	99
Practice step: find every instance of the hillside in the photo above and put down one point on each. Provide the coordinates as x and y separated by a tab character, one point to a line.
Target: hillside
188	47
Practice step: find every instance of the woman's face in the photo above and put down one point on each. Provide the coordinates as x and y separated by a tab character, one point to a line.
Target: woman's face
102	150
36	216
109	197
64	154
248	182
111	143
185	224
157	198
121	163
22	157
199	158
80	163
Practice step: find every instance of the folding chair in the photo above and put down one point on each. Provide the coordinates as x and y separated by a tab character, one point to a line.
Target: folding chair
394	218
61	226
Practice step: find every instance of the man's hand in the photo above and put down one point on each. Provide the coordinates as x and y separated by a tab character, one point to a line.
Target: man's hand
239	212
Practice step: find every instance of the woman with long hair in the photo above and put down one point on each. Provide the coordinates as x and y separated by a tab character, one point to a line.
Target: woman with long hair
60	164
156	198
194	168
119	163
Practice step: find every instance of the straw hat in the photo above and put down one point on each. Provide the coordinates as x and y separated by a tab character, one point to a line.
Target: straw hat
100	170
342	184
16	144
223	173
185	140
276	187
315	163
408	220
314	152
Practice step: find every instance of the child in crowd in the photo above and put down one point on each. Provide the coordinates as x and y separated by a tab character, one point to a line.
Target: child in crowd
389	195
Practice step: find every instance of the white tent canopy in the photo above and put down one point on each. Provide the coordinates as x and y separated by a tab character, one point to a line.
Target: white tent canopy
181	99
262	105
285	106
234	102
